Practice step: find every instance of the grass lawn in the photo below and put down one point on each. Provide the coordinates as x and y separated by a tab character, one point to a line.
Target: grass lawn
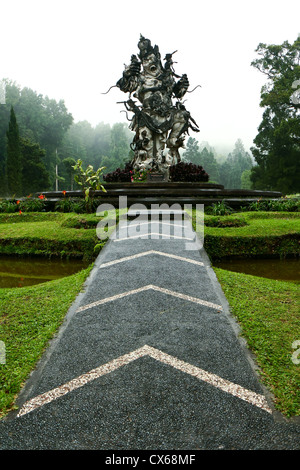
252	234
29	317
267	310
253	224
268	313
50	234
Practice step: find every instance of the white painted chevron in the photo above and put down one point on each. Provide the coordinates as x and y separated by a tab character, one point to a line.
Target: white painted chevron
151	252
212	379
150	287
144	236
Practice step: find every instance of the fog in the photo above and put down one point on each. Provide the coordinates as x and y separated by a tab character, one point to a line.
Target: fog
75	50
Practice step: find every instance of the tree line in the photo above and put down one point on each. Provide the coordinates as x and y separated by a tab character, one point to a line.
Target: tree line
31	128
276	151
38	151
40	142
232	173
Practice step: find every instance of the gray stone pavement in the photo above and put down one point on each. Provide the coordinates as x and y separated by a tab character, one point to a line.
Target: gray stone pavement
149	357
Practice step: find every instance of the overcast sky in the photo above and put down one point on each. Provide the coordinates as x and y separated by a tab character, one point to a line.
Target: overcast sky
76	49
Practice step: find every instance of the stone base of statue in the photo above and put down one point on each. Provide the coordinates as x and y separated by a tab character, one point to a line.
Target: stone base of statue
157	166
170	193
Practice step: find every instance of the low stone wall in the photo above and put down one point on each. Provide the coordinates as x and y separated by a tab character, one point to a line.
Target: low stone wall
169	193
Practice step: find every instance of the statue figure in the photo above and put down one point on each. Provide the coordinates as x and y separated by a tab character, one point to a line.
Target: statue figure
157	122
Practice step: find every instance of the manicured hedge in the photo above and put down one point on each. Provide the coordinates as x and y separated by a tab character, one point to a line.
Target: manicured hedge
219	247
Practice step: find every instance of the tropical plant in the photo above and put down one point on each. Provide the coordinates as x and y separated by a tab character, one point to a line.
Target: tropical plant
219	208
89	180
32	204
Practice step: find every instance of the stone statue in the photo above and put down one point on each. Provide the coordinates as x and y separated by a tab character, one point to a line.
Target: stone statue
159	124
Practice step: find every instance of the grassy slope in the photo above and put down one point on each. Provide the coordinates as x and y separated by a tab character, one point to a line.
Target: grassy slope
49	234
262	234
29	318
268	312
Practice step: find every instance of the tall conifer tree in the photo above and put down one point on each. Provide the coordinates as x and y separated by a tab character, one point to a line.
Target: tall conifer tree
14	158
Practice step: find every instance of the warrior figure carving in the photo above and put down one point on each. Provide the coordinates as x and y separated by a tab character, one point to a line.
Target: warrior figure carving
157	122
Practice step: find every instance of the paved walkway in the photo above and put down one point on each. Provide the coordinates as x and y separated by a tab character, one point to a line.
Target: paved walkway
148	358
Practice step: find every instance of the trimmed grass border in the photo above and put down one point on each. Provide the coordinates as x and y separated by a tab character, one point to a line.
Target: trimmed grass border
29	319
268	313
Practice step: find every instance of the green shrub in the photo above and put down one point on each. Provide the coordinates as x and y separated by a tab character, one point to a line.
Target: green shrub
63	205
81	222
282	204
8	206
32	205
79	207
219	208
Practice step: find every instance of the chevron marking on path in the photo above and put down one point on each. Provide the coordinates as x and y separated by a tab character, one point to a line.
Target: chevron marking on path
146	235
151	252
150	287
212	379
154	223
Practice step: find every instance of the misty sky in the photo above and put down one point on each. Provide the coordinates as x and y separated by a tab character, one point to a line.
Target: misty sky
75	50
